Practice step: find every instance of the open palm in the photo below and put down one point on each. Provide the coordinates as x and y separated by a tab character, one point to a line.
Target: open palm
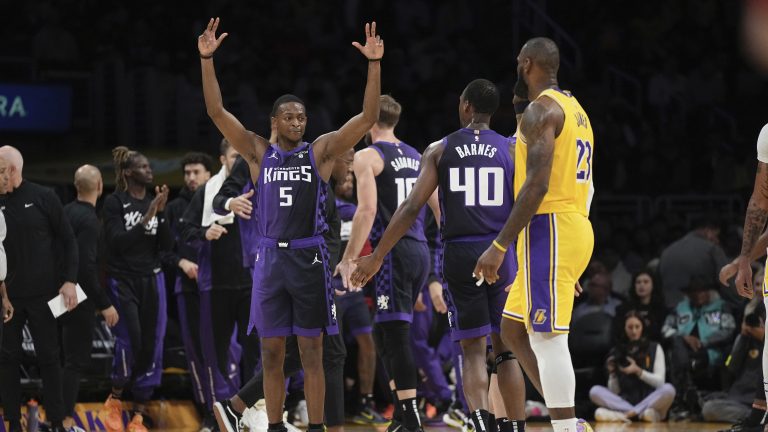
207	43
374	45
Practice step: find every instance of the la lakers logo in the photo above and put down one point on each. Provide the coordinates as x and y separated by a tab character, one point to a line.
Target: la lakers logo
540	317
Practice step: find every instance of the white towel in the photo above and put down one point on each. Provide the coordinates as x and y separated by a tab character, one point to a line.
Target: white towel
211	189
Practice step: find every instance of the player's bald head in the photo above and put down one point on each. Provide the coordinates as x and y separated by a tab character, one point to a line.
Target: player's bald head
543	52
87	179
13	156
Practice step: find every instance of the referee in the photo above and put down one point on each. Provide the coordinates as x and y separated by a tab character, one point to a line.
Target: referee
6	310
77	326
37	229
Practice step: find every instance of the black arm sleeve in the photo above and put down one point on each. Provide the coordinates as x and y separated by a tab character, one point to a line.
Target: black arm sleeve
233	185
88	245
115	234
64	235
190	228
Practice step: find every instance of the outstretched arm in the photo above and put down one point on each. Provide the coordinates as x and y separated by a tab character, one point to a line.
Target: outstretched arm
539	125
367	164
404	216
247	143
331	145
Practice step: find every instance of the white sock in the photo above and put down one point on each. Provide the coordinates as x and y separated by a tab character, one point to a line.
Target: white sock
567	425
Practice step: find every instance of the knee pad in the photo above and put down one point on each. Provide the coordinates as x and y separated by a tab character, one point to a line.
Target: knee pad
501	358
558	381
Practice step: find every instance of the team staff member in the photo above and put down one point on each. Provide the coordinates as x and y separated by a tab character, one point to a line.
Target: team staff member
36	228
77	326
136	232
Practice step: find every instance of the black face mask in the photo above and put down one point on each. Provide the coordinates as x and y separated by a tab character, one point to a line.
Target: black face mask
521	87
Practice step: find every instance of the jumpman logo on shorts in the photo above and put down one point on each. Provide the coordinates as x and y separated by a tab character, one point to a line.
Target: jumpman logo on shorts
316	261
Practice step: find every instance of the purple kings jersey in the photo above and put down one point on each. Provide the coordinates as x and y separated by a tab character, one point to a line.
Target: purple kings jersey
290	195
475	183
401	168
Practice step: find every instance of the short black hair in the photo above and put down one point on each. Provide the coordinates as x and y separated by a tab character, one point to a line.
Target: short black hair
224	146
192	158
286	98
482	95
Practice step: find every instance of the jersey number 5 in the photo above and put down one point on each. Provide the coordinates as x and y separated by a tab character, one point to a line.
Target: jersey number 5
583	161
286	199
489	192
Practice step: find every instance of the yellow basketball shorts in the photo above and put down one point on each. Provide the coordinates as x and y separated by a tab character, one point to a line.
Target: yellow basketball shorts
552	253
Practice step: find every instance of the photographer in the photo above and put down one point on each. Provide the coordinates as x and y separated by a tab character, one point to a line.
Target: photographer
744	365
636	370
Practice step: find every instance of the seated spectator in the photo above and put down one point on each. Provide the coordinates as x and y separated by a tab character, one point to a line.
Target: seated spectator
744	366
599	297
636	370
647	299
698	331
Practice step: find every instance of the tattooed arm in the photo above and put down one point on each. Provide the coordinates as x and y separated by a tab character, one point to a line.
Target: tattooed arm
754	223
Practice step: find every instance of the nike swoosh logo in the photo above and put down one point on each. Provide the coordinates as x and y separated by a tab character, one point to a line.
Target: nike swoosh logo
126	205
28	205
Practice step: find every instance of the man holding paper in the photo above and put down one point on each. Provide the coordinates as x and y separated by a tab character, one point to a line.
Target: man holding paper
42	252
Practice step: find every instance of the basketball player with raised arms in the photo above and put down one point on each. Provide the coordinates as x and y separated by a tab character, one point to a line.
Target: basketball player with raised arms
292	292
472	169
549	220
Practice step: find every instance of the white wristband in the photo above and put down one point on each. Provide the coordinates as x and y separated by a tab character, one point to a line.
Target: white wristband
226	204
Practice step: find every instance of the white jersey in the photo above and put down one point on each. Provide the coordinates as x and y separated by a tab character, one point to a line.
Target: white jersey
762	145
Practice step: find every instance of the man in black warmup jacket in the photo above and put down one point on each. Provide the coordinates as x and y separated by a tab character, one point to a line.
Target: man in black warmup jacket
37	229
77	325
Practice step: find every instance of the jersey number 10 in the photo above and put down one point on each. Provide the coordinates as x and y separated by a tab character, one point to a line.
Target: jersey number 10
487	184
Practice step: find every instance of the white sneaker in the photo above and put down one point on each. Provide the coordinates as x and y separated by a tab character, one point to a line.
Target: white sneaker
300	415
606	415
651	416
292	428
255	419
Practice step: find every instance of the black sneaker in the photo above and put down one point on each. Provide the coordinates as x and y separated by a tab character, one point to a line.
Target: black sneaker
395	426
369	416
209	423
226	417
741	427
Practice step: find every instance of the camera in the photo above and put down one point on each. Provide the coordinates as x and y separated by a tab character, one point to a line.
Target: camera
621	356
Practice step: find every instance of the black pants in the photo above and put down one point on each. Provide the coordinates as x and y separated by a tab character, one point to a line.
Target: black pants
76	345
230	308
44	331
688	367
334	353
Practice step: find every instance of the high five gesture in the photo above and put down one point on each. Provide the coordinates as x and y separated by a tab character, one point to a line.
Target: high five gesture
207	43
374	45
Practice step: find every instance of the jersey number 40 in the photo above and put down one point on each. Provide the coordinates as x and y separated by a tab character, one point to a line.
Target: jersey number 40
484	186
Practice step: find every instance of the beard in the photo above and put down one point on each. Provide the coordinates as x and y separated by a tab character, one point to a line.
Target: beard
521	87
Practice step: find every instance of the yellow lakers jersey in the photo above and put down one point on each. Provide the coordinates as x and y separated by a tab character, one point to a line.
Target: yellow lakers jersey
570	183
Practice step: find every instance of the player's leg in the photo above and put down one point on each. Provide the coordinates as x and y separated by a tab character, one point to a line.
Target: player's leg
188	307
77	341
272	357
510	385
559	248
334	354
10	359
249	361
44	330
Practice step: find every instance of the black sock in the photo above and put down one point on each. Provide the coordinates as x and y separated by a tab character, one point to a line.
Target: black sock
480	420
397	414
411	419
367	399
276	427
754	417
492	423
507	425
315	427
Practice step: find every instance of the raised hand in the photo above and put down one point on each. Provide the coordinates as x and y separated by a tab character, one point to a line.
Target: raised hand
161	197
242	206
207	43
374	45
